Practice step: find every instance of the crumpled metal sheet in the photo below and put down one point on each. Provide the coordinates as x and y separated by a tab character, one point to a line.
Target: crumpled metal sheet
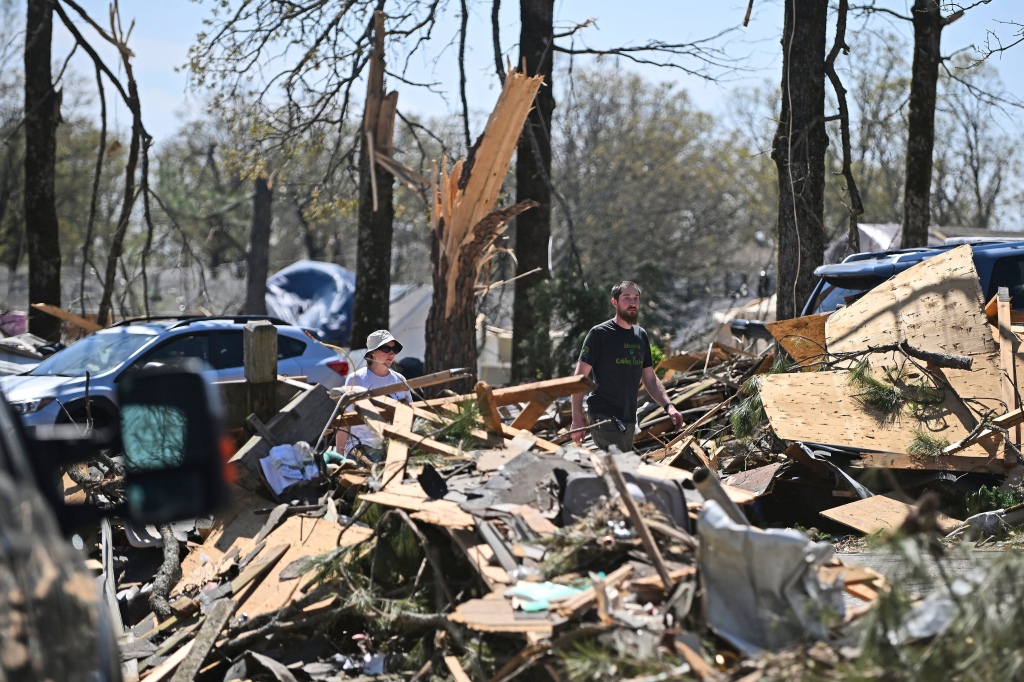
761	589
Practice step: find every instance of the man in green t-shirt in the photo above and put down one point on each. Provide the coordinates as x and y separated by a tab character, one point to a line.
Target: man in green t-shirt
618	352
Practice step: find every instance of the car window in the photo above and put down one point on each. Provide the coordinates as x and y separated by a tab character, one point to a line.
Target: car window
289	348
96	353
1008	272
227	350
179	349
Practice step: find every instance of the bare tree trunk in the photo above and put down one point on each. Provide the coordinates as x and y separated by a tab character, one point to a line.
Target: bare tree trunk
799	153
42	114
533	172
924	80
258	257
376	218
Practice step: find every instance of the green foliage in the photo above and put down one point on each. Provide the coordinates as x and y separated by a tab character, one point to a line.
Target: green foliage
925	444
896	391
991	498
456	431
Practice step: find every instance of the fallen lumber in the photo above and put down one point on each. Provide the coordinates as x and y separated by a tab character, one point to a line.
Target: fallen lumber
556	388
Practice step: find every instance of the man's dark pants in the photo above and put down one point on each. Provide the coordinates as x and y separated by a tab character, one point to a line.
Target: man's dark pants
613	432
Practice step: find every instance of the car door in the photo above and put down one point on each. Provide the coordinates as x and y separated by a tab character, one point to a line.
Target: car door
180	351
227	355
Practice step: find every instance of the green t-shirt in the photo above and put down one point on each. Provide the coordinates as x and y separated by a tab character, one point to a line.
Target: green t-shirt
618	357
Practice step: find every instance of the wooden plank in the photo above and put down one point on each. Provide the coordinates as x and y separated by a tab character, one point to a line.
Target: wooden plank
458	673
626	499
669	473
1007	367
803	338
412	498
61	314
303	537
533	411
167	667
580	603
556	388
420	442
1005	421
216	618
959	462
488	410
880	513
497	615
398	451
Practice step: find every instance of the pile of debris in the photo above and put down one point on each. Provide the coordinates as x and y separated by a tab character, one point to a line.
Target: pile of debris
487	546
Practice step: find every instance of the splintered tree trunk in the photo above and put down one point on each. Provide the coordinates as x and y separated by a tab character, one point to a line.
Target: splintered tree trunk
258	258
376	225
921	122
533	168
42	112
799	153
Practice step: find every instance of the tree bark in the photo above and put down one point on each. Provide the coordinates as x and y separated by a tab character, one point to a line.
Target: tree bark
533	173
376	227
799	154
921	122
42	114
452	335
258	257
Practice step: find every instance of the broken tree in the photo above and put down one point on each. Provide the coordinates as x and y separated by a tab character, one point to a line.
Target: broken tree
464	225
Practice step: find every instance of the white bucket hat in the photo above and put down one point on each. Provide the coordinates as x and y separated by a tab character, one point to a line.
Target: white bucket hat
378	339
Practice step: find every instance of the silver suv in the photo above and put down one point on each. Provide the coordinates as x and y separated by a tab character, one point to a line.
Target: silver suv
55	391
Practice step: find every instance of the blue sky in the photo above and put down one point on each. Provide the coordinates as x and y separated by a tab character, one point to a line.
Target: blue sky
164	29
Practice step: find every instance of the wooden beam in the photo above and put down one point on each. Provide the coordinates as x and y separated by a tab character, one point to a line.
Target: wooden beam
420	442
488	410
1007	366
1005	421
398	450
556	388
71	318
533	411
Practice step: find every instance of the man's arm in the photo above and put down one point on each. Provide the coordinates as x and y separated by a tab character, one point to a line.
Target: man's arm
660	396
582	369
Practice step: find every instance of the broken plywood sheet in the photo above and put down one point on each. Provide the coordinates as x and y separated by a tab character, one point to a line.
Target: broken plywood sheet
494	613
821	407
802	337
935	306
307	537
880	513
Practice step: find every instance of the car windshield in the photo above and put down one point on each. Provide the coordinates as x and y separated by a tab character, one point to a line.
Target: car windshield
831	297
95	354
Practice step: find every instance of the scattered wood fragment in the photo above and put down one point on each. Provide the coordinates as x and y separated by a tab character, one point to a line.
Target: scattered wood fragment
880	513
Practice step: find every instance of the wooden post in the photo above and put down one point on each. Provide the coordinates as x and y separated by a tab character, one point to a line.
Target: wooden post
1008	366
488	409
260	348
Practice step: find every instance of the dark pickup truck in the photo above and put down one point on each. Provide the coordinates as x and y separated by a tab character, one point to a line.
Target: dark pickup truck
999	264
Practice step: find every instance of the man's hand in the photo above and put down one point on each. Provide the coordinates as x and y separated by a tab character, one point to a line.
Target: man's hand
578	423
673	413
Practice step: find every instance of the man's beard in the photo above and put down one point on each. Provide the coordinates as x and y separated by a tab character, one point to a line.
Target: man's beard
630	316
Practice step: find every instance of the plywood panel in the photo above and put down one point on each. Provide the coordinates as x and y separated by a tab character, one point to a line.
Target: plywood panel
821	407
935	306
802	337
880	513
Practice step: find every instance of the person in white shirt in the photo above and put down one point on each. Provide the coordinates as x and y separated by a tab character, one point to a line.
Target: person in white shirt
381	349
